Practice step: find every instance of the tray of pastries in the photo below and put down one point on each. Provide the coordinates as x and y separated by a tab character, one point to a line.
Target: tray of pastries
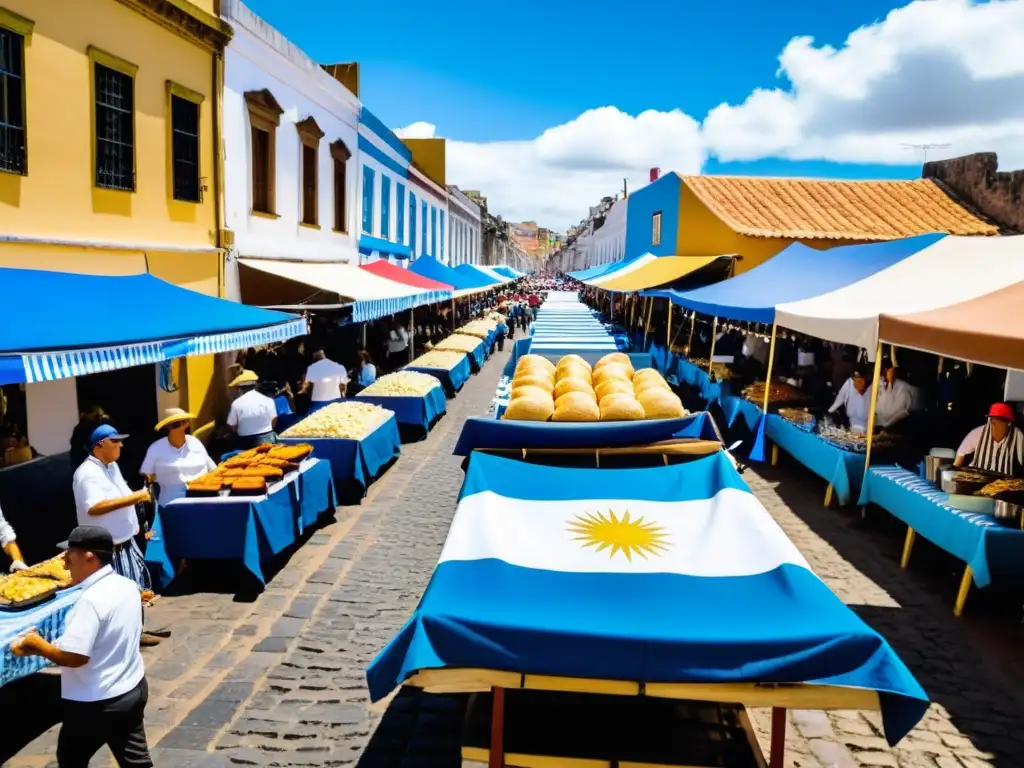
35	585
248	485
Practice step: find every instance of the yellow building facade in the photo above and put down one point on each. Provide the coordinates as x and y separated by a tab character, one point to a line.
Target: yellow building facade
111	163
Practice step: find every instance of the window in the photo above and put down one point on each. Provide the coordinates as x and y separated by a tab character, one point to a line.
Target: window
656	229
400	212
385	206
114	121
186	182
14	31
412	225
340	155
423	228
440	221
264	118
309	138
367	199
433	231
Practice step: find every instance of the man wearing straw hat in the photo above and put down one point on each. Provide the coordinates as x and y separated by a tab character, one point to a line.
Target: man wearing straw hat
253	415
176	458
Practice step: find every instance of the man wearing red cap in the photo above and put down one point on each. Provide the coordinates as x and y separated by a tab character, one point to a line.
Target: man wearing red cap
995	446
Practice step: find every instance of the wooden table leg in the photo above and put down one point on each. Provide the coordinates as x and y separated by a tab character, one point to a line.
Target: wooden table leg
775	455
828	496
965	587
908	546
497	753
777	755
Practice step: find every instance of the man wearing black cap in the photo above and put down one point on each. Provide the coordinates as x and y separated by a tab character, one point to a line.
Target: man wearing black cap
103	684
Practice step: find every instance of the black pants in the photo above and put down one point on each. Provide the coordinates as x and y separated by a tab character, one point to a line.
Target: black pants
119	723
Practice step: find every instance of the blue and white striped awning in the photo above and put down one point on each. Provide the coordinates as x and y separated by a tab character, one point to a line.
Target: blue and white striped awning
364	311
35	367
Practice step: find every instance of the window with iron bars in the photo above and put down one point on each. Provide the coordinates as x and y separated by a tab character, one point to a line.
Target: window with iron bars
115	129
185	149
12	102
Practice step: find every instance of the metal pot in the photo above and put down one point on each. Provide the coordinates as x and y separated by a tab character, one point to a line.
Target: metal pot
933	465
1008	514
951	482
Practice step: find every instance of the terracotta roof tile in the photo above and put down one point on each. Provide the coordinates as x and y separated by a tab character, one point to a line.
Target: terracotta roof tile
834	210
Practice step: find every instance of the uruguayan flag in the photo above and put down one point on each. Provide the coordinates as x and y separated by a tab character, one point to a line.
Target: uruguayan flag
672	574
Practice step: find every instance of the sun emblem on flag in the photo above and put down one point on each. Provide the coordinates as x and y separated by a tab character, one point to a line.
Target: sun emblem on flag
626	534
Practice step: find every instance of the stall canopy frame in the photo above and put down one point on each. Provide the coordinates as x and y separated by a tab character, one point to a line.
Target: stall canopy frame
96	323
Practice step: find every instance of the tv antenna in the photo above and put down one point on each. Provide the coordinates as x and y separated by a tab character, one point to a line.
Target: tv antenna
923	148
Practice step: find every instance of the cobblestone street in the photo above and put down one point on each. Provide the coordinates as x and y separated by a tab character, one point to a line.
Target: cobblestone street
279	680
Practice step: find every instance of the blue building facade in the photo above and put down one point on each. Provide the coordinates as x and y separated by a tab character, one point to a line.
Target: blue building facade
384	171
652	218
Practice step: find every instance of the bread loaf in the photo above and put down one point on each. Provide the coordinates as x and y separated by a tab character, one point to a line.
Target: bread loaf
573	384
621	407
529	409
576	406
660	403
612	387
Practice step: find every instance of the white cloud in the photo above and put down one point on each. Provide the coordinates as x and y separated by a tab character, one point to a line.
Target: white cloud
554	178
934	71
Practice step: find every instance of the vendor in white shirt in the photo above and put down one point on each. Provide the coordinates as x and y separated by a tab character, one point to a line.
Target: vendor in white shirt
855	400
895	398
327	380
177	458
9	544
398	344
253	415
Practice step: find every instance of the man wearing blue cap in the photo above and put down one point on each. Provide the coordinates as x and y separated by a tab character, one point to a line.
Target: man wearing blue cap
103	498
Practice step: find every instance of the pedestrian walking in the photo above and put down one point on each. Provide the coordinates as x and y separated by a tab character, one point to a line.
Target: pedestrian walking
102	683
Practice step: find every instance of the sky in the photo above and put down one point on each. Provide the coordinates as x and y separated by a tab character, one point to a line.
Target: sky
547	105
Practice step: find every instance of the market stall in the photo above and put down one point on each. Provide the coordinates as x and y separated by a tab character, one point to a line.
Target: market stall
660	271
471	346
417	399
595	581
247	526
986	330
619	269
452	369
357	439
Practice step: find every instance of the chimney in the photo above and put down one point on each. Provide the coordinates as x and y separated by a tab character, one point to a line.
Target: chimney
346	74
655	173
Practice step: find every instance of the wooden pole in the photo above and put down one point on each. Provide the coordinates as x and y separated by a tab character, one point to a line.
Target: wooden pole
453	313
364	335
632	312
714	335
412	335
768	373
777	756
668	330
689	341
647	325
497	751
871	412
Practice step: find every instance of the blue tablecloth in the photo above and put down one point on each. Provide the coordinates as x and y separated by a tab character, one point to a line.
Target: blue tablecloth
237	528
485	432
416	411
48	618
989	548
740	409
452	379
356	461
844	470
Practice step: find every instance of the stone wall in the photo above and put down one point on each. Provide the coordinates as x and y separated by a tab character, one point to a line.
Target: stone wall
976	180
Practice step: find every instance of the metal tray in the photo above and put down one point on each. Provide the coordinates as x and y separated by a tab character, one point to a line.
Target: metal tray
32	602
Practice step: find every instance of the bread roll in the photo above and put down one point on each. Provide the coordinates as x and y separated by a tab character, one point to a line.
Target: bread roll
660	403
574	384
576	406
529	409
650	383
538	380
645	374
612	371
528	390
615	358
536	360
571	359
621	407
612	387
574	370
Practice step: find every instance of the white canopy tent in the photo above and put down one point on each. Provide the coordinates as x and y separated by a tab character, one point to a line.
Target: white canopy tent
953	270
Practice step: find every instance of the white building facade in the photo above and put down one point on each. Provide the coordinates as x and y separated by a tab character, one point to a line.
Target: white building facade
428	207
608	242
388	212
465	233
290	151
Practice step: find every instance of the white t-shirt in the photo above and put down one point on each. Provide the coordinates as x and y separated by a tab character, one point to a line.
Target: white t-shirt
173	467
253	414
326	376
970	442
857	405
6	531
397	341
105	625
95	482
894	403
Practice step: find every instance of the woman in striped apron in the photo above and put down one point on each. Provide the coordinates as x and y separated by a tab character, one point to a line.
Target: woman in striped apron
996	446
